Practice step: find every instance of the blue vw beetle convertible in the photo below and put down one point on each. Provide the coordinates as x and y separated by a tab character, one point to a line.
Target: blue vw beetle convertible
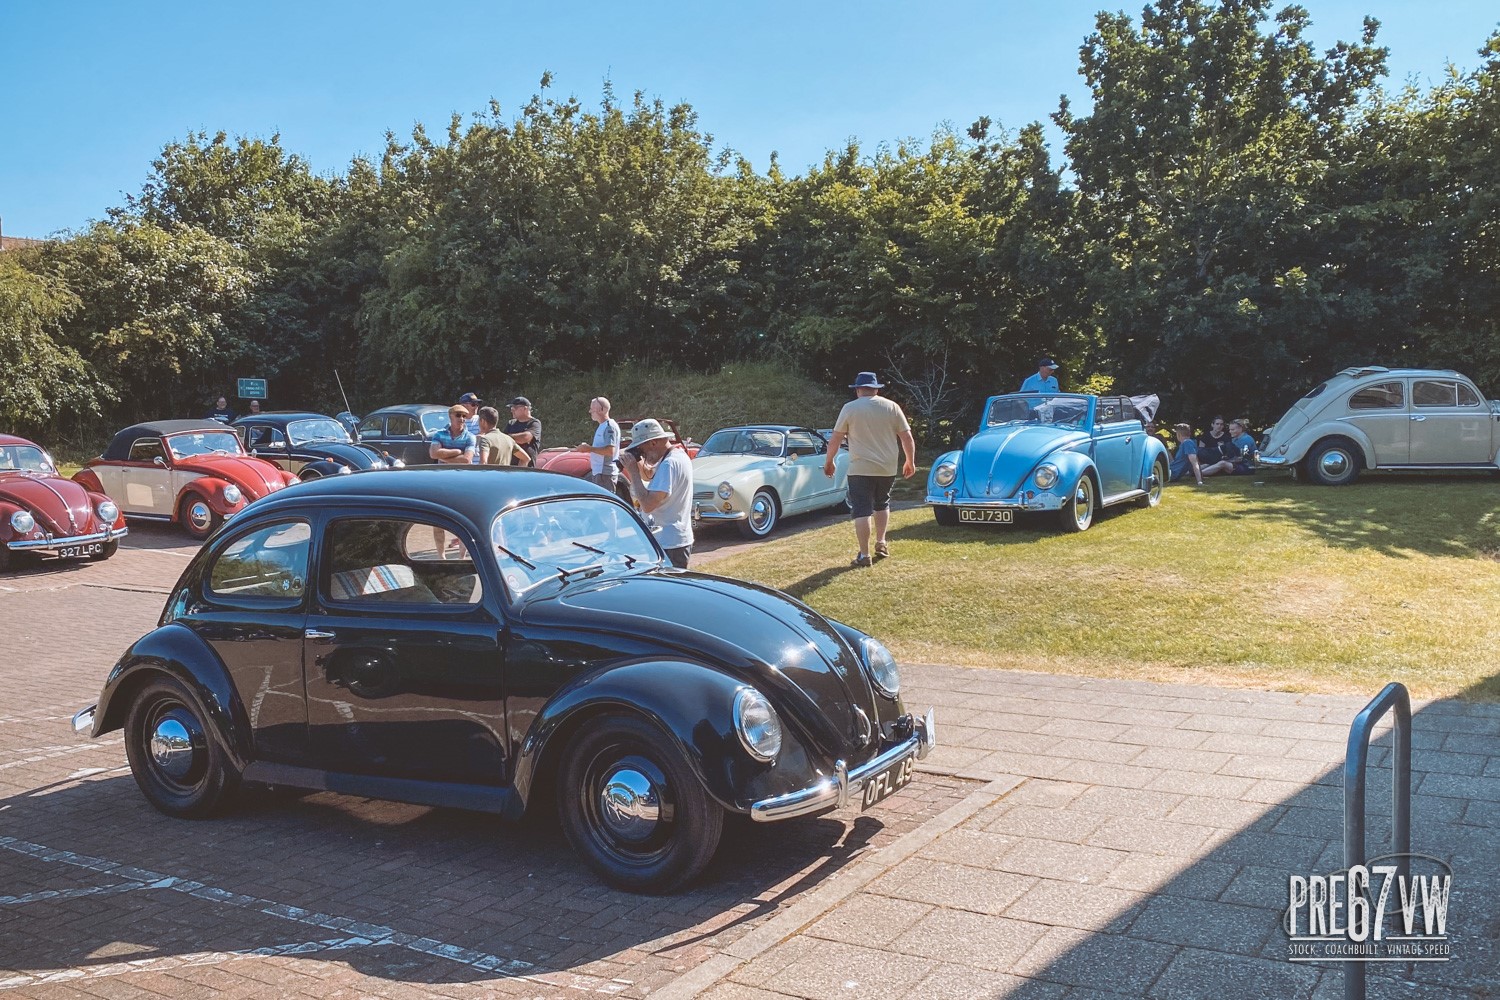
1062	452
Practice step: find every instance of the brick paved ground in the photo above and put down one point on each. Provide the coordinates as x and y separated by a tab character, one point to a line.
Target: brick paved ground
1071	838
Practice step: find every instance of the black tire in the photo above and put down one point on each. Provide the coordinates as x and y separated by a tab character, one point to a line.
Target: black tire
1078	513
1154	485
661	828
946	516
109	549
176	758
763	517
1334	462
197	516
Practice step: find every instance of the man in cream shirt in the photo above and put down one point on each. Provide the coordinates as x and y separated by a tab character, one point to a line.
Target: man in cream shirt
879	436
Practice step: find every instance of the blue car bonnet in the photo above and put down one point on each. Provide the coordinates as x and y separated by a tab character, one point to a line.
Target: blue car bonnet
997	461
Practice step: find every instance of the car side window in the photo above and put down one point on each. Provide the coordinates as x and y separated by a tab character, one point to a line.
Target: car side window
803	444
397	561
1108	411
1384	396
766	443
372	427
1433	393
260	436
401	425
266	562
1467	396
147	450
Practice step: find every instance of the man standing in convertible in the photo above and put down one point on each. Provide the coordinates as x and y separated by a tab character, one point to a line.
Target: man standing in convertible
878	435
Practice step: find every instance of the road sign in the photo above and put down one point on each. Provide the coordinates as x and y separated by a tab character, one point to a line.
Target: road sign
252	388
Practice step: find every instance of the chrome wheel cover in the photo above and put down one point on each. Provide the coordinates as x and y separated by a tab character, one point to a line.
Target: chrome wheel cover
762	513
176	747
200	516
1154	486
629	805
1335	463
1083	503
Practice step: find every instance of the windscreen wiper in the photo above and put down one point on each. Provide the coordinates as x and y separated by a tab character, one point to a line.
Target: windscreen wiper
517	558
630	560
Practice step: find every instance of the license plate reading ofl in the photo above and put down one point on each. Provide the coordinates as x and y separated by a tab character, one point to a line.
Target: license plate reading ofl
986	516
80	551
888	782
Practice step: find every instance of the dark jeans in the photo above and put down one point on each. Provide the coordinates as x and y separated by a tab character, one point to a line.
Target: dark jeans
679	557
605	479
868	494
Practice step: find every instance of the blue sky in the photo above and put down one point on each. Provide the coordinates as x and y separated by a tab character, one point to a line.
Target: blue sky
91	91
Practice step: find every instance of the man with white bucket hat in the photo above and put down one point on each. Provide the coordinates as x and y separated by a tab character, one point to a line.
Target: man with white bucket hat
669	497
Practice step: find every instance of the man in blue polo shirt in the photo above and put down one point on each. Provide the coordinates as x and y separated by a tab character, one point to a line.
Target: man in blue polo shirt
1043	380
454	445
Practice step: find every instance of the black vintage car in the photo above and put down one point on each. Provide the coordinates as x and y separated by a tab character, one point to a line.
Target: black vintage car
309	445
472	636
404	431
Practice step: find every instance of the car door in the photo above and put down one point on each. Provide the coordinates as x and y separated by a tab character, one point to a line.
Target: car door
1450	425
270	443
145	480
804	462
403	659
1380	413
252	612
403	438
1116	441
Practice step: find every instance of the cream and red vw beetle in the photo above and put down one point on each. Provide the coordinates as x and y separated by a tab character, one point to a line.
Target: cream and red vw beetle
1384	419
189	472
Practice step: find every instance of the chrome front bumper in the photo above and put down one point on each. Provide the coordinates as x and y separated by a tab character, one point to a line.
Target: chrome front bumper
1272	461
50	542
834	791
83	722
710	514
1042	501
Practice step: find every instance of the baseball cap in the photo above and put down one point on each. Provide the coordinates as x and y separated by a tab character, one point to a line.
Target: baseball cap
1046	363
519	401
469	397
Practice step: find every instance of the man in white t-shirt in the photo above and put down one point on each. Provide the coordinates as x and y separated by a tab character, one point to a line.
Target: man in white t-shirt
606	447
668	500
879	435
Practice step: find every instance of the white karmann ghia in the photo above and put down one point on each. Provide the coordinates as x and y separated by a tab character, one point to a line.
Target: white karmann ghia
755	475
1385	418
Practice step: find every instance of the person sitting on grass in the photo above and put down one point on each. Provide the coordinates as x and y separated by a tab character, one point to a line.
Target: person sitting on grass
1186	455
1239	433
1216	452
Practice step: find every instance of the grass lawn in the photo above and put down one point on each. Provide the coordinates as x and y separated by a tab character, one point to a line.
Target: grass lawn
1248	582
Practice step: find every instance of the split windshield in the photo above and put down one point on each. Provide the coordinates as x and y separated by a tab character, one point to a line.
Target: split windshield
1034	408
205	443
568	538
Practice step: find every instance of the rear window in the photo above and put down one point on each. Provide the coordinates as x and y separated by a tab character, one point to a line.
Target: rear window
1384	396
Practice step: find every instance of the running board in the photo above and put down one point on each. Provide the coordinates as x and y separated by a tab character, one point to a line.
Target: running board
1121	497
450	795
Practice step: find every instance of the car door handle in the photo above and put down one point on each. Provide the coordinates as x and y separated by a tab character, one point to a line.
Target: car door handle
1417	418
313	633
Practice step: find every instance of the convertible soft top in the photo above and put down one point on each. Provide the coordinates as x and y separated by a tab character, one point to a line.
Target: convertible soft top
119	448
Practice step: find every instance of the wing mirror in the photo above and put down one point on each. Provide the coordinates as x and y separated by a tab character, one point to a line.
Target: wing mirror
159	462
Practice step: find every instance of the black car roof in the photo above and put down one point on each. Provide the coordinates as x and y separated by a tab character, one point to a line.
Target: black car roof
280	418
119	446
413	408
477	492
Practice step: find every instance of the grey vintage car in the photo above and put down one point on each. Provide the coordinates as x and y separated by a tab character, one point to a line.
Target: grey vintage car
1384	419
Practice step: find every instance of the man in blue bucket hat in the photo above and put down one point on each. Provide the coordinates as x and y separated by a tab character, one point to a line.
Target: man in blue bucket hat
879	436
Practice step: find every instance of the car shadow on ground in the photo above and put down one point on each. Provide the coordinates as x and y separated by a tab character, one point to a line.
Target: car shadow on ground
397	892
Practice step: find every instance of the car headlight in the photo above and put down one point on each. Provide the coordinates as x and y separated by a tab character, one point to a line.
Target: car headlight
945	473
21	522
231	494
757	724
397	464
108	512
883	669
1045	476
344	470
725	490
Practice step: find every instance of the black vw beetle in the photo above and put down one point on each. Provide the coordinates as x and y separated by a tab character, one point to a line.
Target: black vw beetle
472	636
309	445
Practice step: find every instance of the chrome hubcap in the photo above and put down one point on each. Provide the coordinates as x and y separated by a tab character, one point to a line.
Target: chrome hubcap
629	805
1083	503
199	515
1334	463
172	748
762	512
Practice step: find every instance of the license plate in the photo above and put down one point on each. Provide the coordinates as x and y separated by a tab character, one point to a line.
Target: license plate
987	516
80	551
888	782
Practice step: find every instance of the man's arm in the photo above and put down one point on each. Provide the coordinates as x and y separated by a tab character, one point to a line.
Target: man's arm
909	447
526	436
441	454
520	456
835	442
648	499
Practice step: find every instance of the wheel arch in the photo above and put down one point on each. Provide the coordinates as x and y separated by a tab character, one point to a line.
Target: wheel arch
89	480
174	651
1313	437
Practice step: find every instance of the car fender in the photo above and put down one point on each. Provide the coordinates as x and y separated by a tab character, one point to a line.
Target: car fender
692	703
211	488
176	651
1308	438
1071	467
89	480
322	467
953	458
1154	451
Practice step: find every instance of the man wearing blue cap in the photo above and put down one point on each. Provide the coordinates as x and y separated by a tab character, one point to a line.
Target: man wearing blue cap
879	435
1043	380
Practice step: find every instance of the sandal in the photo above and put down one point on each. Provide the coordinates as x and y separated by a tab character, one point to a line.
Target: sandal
861	561
882	550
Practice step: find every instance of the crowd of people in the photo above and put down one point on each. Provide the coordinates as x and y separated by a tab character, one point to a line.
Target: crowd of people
1227	448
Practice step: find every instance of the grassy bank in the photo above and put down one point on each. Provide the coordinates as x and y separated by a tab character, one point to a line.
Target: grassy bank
1271	585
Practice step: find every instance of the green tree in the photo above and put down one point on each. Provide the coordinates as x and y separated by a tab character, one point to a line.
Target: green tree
43	376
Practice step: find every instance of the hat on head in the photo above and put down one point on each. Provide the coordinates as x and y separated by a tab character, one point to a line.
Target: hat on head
519	401
1046	363
645	431
866	380
469	397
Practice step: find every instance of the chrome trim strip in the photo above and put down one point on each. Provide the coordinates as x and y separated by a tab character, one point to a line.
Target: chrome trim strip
835	790
1272	461
717	515
83	721
52	543
954	502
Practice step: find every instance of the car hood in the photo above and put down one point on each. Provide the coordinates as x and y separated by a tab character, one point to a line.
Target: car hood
714	469
255	477
60	506
998	460
351	455
780	645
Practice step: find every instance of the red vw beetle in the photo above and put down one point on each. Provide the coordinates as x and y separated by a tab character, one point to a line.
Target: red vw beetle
576	463
42	513
190	472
